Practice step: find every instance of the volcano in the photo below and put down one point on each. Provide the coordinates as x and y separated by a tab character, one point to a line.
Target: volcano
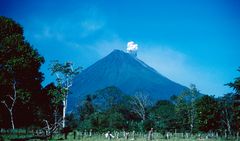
126	72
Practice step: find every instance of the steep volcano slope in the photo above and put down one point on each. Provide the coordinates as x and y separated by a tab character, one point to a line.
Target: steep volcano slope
126	72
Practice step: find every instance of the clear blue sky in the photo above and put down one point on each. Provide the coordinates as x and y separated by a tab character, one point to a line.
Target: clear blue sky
189	41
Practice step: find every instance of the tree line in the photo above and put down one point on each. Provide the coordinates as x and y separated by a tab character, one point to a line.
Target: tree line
189	112
25	103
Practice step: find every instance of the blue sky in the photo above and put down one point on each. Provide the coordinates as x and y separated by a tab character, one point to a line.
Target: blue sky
187	41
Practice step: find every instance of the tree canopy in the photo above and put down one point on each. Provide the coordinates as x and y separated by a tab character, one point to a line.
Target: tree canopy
19	66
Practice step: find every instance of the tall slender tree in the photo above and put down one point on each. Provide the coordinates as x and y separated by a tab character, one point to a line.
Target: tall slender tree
186	104
11	104
236	101
226	105
139	102
64	76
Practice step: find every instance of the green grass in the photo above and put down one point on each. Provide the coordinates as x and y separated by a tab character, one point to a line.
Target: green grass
157	137
100	137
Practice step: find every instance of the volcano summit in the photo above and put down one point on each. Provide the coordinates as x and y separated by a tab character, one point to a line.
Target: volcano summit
126	72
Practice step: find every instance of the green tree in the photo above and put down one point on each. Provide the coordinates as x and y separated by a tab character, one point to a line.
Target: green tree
163	114
109	99
65	74
19	69
186	109
105	110
207	114
226	108
236	101
235	84
236	112
52	99
86	108
71	121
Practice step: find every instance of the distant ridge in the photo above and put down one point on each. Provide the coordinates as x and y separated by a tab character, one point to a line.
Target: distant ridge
126	72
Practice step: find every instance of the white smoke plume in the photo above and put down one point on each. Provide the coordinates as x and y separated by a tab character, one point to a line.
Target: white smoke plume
132	48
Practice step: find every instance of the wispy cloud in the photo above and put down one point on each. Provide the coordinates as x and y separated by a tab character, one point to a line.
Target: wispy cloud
89	27
93	20
80	24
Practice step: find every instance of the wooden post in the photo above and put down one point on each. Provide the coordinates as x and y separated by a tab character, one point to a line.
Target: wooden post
225	134
85	132
117	135
168	136
199	136
150	134
187	135
74	134
126	135
133	134
90	133
109	137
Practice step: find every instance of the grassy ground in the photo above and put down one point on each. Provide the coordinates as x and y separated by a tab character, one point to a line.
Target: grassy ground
157	137
101	138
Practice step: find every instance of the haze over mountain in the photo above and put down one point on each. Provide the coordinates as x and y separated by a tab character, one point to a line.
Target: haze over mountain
125	71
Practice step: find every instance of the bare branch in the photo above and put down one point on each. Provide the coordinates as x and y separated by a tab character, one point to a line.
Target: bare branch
139	104
10	97
5	104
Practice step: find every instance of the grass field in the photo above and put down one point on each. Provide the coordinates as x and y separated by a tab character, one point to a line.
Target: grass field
101	137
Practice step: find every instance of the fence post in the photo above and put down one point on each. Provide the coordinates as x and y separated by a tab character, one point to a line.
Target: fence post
167	135
90	133
117	135
133	135
150	134
225	133
85	132
126	135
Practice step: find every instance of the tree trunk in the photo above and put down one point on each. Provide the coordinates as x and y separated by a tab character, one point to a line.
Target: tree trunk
64	110
11	118
192	122
229	127
144	117
64	113
228	122
11	106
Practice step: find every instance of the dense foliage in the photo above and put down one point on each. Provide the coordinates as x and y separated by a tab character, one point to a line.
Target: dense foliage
110	109
20	78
